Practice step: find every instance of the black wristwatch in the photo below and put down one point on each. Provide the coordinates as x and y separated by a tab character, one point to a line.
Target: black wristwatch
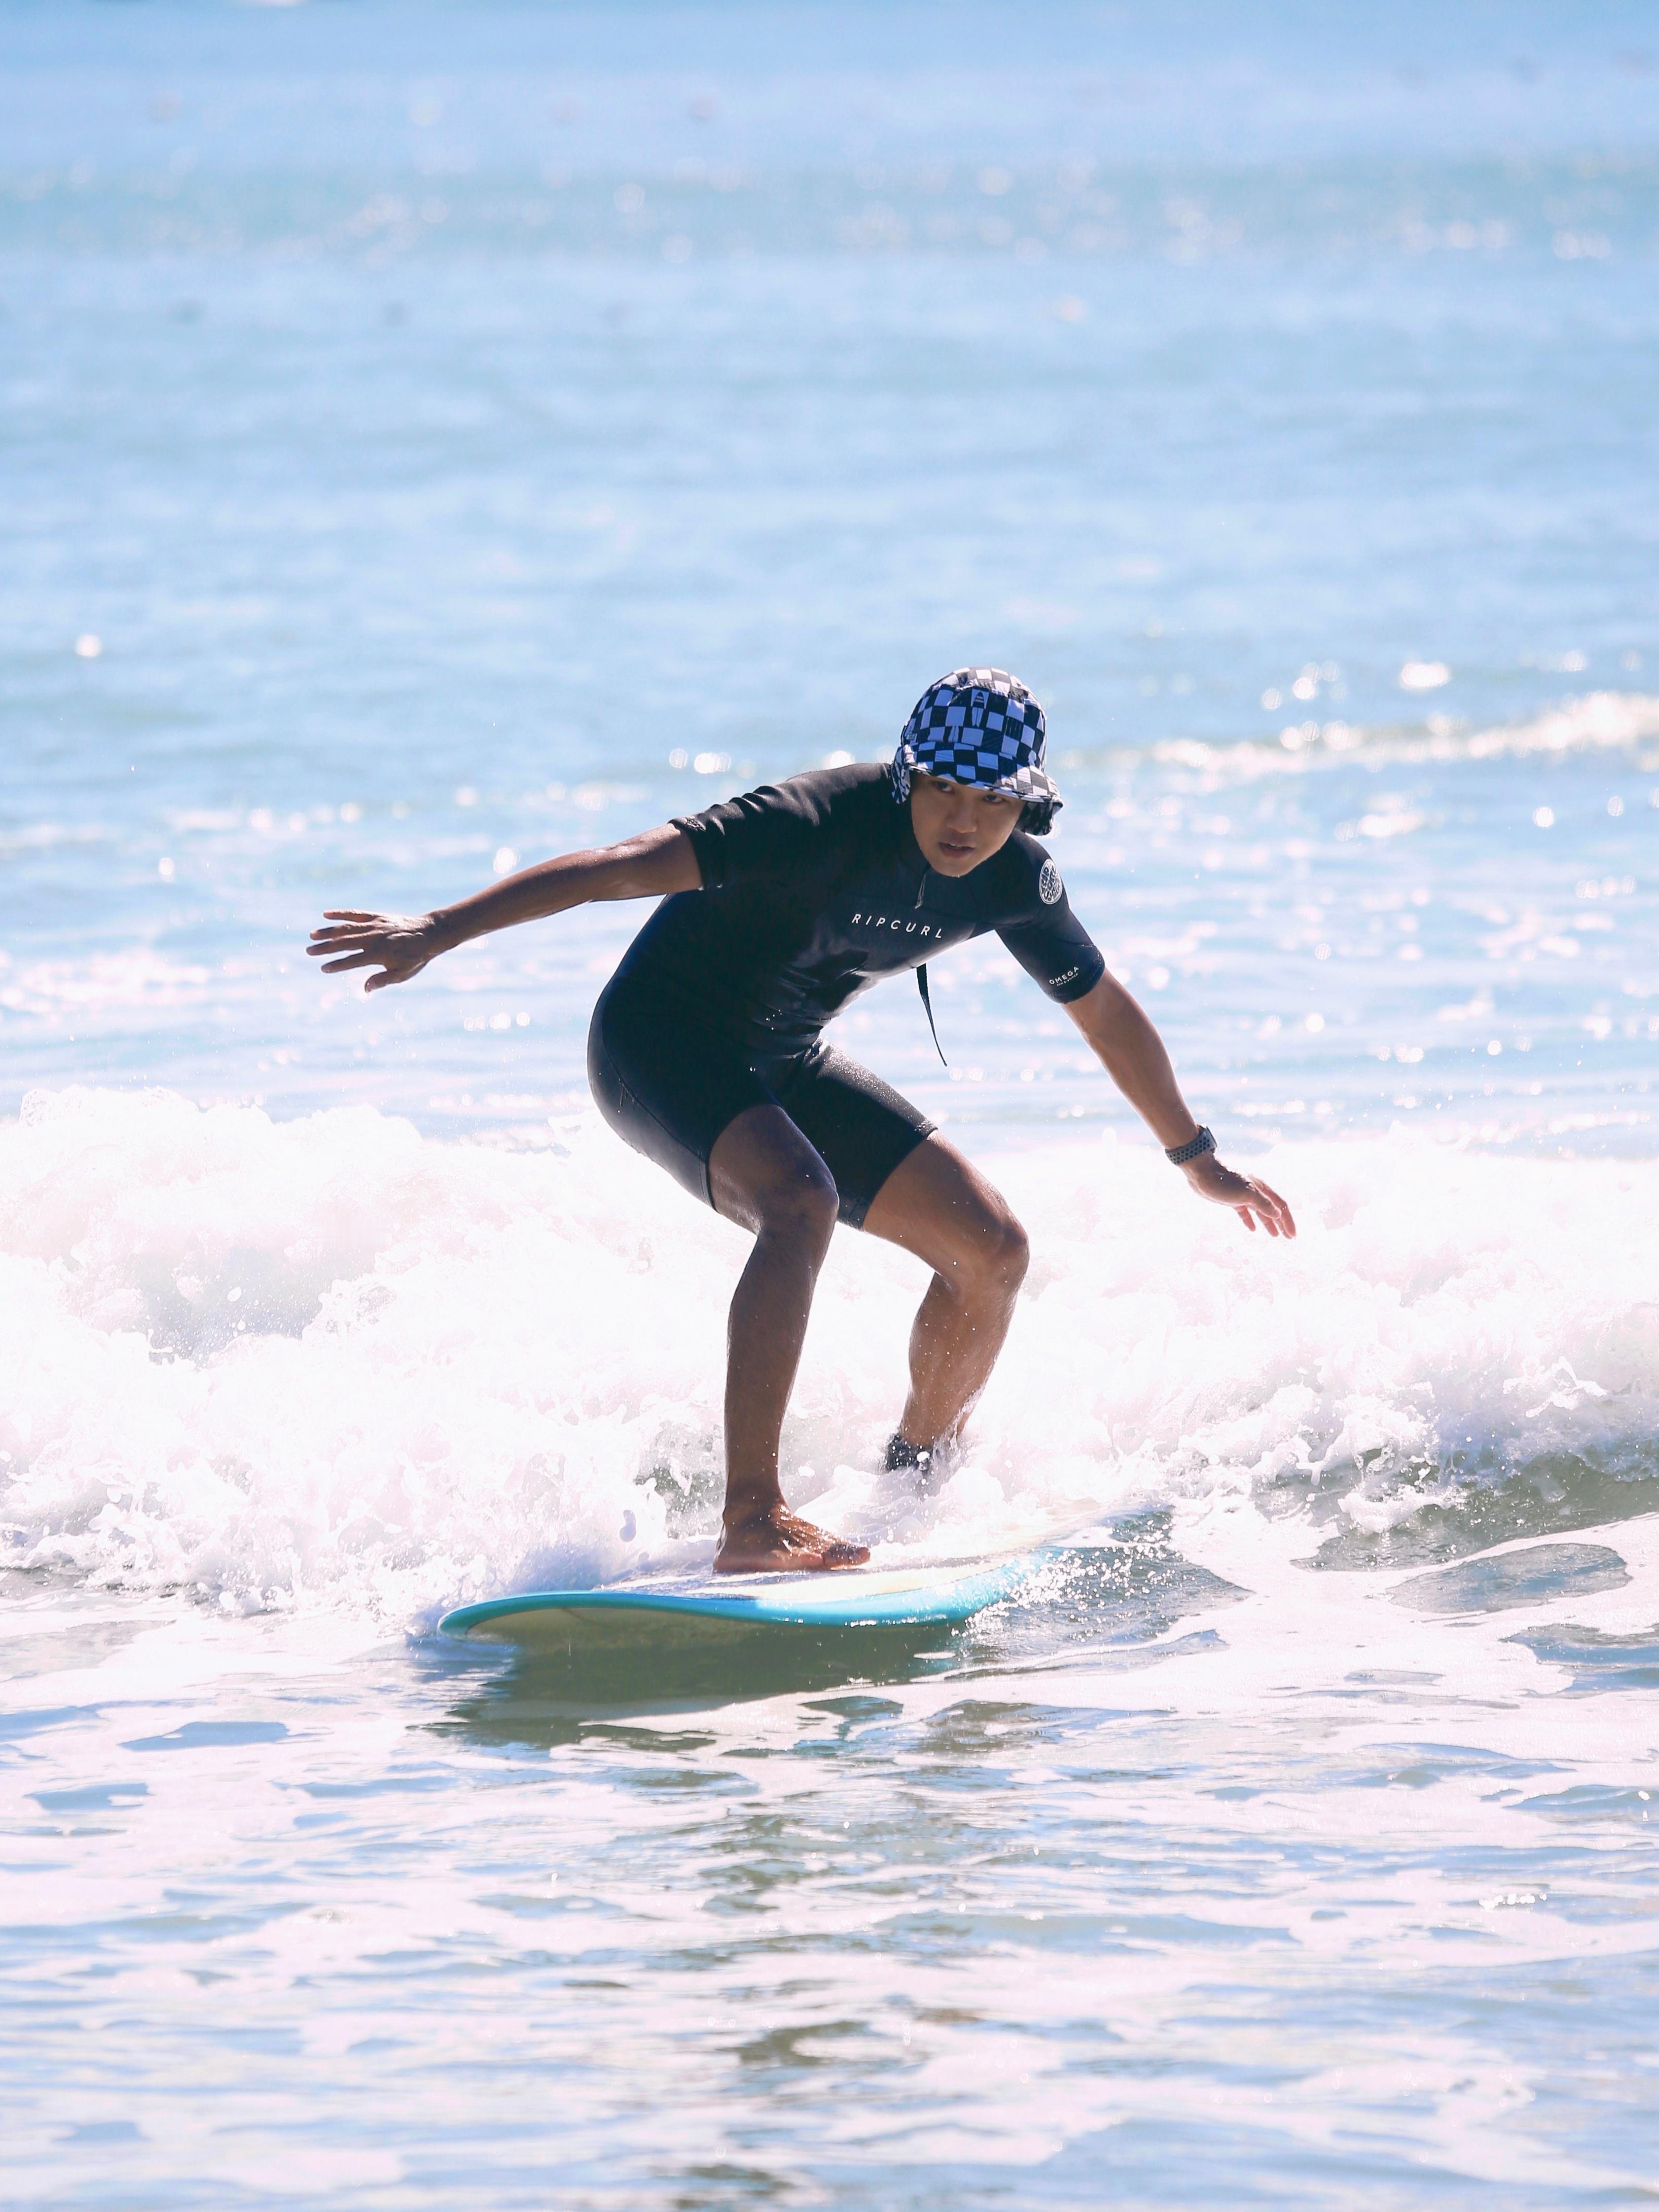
1179	1155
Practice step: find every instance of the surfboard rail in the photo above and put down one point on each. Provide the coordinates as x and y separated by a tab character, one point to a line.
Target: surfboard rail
850	1598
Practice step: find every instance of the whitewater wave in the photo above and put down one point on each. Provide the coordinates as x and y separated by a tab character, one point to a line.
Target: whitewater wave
1597	722
329	1362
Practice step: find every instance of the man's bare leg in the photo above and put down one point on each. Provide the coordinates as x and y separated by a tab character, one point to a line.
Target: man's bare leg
766	1176
938	1205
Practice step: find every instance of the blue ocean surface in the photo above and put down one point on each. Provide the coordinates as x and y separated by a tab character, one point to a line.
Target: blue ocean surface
433	437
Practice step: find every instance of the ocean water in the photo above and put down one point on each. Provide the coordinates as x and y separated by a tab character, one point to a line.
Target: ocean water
437	437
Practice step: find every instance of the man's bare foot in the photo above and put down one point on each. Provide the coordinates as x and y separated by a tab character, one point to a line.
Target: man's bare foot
778	1541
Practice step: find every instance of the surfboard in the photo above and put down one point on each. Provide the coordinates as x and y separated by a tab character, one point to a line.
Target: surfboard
702	1610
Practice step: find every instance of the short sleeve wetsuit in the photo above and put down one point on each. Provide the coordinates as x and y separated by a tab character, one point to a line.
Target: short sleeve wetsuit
812	890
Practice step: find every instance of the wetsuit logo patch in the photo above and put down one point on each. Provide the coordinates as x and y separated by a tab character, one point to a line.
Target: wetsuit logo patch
1049	885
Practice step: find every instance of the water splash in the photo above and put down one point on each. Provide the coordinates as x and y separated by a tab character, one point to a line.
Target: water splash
331	1364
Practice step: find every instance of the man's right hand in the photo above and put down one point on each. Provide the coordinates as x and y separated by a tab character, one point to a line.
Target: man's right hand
398	944
651	866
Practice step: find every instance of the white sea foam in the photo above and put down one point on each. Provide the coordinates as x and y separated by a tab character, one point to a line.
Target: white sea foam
1599	721
332	1362
137	978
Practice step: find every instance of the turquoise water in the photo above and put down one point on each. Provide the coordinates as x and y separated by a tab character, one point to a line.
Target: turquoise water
437	437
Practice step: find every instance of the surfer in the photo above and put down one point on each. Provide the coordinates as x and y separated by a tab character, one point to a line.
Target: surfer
707	1051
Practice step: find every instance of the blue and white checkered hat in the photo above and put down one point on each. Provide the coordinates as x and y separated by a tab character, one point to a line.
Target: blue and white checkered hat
978	725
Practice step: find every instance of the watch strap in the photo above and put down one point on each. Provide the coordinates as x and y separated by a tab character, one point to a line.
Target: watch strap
1179	1155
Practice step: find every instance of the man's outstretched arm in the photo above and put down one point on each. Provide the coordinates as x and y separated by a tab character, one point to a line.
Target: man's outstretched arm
399	945
1132	1053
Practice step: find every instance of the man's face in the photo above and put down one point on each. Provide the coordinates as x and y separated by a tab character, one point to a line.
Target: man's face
956	825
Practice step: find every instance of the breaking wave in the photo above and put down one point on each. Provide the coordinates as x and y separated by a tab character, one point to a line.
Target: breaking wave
1599	721
329	1362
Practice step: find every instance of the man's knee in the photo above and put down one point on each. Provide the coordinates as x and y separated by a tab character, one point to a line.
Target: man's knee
1011	1253
1001	1254
802	1205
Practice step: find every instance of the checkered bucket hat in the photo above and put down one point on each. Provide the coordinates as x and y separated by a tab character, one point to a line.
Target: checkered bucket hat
979	725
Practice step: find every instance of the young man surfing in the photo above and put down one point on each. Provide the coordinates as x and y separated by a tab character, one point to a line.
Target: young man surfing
707	1051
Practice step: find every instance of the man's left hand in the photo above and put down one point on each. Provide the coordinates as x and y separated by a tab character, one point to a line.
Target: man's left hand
1250	1198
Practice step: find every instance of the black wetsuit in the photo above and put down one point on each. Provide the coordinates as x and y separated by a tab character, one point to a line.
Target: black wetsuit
812	890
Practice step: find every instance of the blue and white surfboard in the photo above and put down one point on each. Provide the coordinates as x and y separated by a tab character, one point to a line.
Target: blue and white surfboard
701	1608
